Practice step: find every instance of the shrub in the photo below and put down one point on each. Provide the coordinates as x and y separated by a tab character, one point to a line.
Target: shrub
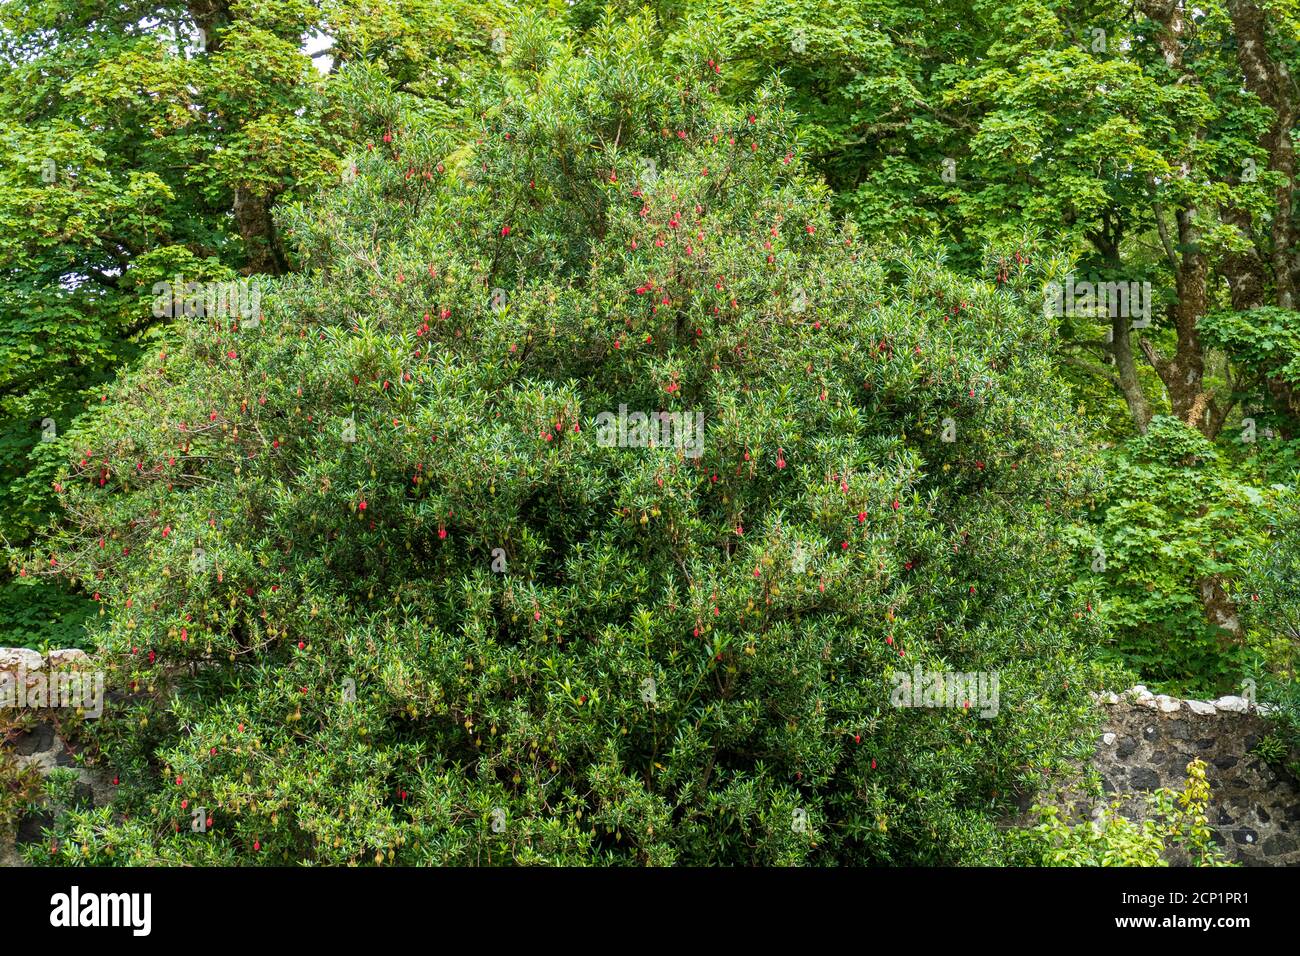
375	590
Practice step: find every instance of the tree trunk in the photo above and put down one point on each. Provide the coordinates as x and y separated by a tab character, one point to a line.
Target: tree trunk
1270	80
257	229
1184	374
1220	610
1121	349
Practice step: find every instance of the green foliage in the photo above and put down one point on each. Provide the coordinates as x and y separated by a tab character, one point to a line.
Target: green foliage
1176	517
318	644
39	614
1266	338
1047	124
1271	748
1265	343
1274	581
1273	611
1175	820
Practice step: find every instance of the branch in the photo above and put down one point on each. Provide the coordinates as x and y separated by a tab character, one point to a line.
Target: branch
1091	369
1217	420
103	278
1159	363
1170	255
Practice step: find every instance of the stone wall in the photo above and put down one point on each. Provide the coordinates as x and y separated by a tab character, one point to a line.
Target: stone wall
32	738
1148	740
1254	806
